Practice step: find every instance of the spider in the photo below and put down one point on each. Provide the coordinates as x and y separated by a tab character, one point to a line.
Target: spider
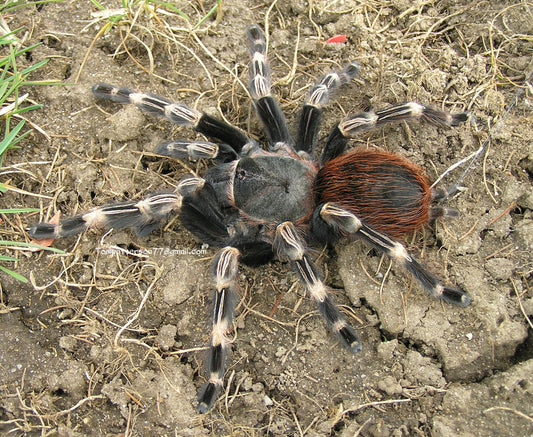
274	202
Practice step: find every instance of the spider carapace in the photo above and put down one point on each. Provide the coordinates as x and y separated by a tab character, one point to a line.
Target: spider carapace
273	202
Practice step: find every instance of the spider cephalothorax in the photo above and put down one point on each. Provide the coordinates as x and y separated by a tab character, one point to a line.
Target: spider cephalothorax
258	203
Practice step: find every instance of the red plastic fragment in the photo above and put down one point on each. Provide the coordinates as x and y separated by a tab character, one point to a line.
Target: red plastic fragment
337	39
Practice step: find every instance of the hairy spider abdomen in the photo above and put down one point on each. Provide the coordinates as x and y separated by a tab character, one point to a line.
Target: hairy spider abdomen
389	192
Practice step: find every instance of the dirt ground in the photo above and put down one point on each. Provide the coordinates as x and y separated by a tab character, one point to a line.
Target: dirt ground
109	337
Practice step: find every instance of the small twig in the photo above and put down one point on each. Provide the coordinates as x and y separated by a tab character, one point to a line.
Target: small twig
483	149
103	30
290	75
358	432
135	316
74	407
369	404
382	285
521	306
284	359
500	250
186	351
469	231
518	413
511	206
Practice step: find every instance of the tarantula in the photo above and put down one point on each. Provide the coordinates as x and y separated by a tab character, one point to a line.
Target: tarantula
259	204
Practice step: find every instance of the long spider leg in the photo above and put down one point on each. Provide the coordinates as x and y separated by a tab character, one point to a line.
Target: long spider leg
343	222
224	267
317	98
266	105
176	113
144	215
289	245
365	121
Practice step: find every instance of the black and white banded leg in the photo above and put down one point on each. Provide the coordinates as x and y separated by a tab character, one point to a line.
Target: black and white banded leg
289	245
144	215
365	121
176	113
266	105
224	269
195	149
343	222
317	98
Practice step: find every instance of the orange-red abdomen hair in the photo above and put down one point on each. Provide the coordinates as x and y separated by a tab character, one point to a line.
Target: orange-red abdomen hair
387	191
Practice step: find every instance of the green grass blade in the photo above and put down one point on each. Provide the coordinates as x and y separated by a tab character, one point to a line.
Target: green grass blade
170	7
15	275
5	39
98	5
22	4
39	64
18	210
10	137
31	245
26	108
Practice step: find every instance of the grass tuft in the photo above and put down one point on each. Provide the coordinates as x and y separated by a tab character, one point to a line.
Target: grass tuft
12	79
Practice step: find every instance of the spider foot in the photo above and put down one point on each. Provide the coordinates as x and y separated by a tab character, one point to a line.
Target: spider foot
350	338
455	296
330	83
68	227
208	395
366	121
110	92
433	285
444	118
346	334
353	125
266	105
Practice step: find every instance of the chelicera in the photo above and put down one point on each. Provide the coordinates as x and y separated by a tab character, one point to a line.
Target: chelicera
273	202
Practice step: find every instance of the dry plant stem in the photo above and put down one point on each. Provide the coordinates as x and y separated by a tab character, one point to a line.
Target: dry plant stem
500	250
56	279
376	404
74	407
521	305
229	70
135	316
267	23
227	401
518	413
170	35
292	73
483	149
296	333
149	71
509	208
103	30
358	432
